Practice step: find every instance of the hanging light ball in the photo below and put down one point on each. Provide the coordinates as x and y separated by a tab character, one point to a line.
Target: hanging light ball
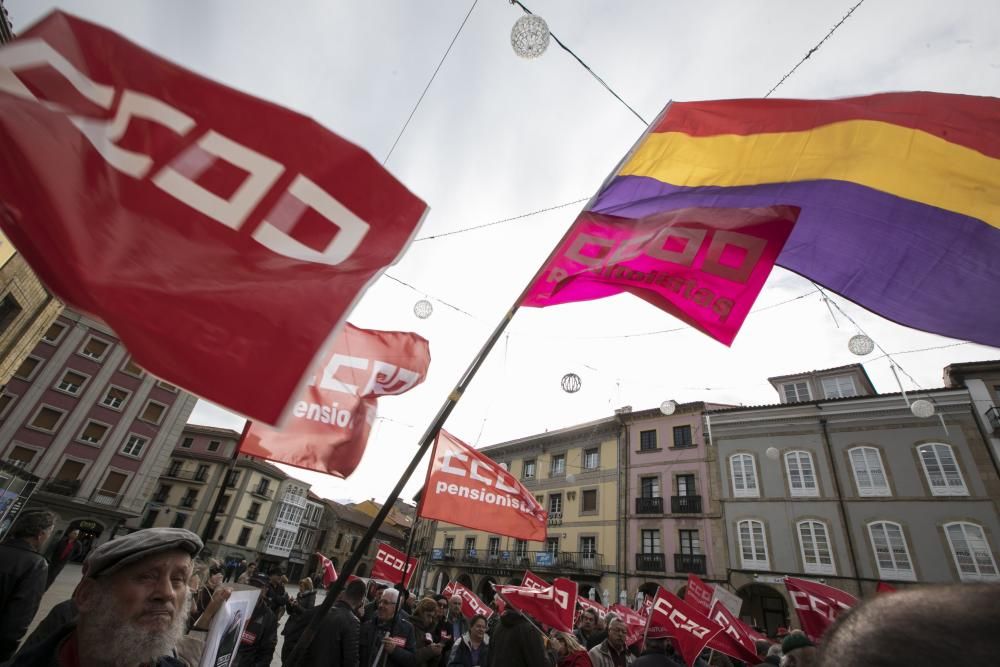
861	345
922	408
423	309
571	383
772	453
530	36
668	407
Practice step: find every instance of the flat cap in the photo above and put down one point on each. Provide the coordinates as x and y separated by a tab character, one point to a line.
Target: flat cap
127	549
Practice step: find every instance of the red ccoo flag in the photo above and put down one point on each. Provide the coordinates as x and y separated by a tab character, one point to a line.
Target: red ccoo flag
635	623
471	604
330	423
532	580
553	605
732	641
817	604
329	571
587	603
468	489
390	563
672	617
223	238
699	594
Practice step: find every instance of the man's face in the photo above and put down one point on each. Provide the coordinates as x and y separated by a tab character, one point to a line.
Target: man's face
149	594
455	606
427	617
442	609
616	635
386	607
251	568
587	621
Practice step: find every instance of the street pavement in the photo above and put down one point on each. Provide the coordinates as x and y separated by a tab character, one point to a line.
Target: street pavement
62	589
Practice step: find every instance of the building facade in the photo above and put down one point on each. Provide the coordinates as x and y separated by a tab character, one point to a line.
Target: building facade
94	427
843	486
302	560
346	526
287	513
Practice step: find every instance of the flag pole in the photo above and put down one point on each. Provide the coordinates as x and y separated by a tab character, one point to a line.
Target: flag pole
220	494
430	435
402	578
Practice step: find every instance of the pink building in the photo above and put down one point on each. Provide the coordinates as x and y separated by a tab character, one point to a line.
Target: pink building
94	428
673	513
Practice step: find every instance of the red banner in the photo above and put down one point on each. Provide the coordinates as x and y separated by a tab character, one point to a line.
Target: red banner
699	594
222	237
817	604
587	603
390	563
672	617
704	266
552	606
330	423
471	604
329	571
635	623
882	587
532	580
468	489
733	640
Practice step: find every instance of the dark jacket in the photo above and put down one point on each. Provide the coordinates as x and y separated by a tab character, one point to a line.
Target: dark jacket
336	640
372	631
593	639
260	636
424	639
58	617
516	644
461	653
46	653
306	600
276	598
658	659
23	576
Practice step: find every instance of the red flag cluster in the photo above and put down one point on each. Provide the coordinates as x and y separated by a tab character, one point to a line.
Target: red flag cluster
390	563
817	605
471	604
553	605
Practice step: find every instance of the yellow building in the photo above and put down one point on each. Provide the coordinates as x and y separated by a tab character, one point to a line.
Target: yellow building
574	473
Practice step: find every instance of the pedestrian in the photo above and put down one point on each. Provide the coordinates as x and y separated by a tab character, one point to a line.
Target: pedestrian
516	643
455	623
230	570
260	635
586	632
247	573
131	604
612	652
23	576
797	650
655	654
428	646
206	591
275	596
306	597
379	635
770	653
336	641
473	648
60	553
571	653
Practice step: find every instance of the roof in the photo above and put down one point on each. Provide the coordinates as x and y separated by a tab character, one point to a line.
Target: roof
954	374
212	430
261	465
913	395
556	434
824	371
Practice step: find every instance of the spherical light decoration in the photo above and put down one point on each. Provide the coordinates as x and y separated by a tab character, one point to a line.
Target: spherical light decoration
423	309
861	345
668	407
772	453
530	36
922	408
571	383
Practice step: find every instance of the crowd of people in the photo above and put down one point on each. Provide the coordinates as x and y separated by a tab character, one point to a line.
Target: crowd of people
145	599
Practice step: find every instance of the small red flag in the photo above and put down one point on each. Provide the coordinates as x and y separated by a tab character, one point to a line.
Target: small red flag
532	580
553	605
883	587
223	238
733	640
672	617
466	488
390	563
699	594
635	623
329	571
471	604
817	604
330	423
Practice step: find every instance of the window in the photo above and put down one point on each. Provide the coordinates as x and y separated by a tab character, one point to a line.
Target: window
449	545
262	486
202	473
47	419
520	548
254	512
190	498
588	500
651	542
354	543
493	546
72	382
54	332
6	401
891	555
213	445
179	520
686	485
232	478
113	483
132	368
134	446
943	475
558	465
166	385
95	348
70	471
555	503
93	432
649	487
801	475
470	543
22	455
869	475
9	310
552	545
796	392
647	441
815	544
28	368
839	387
971	551
588	545
529	469
689	542
744	472
115	398
591	459
340	539
153	412
753	545
244	537
682	436
186	443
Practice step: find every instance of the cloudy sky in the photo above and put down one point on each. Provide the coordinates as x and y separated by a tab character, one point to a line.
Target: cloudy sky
496	137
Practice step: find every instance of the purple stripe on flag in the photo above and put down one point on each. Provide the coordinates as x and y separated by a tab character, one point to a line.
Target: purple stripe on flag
918	265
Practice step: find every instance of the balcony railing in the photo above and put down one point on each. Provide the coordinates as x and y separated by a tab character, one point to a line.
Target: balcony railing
62	487
186	475
646	505
262	492
187	501
582	561
160	498
993	415
106	498
555	518
650	562
685	504
691	563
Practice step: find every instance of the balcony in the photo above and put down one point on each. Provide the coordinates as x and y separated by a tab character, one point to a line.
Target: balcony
62	487
555	518
186	475
106	498
649	505
262	492
160	498
690	563
576	561
650	563
685	504
993	416
188	501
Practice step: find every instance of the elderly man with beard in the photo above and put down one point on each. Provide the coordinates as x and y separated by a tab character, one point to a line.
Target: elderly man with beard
132	604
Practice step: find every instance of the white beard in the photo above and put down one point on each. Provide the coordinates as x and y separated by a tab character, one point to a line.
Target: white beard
105	639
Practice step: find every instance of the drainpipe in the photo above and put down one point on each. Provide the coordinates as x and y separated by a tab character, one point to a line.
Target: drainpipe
621	508
840	502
